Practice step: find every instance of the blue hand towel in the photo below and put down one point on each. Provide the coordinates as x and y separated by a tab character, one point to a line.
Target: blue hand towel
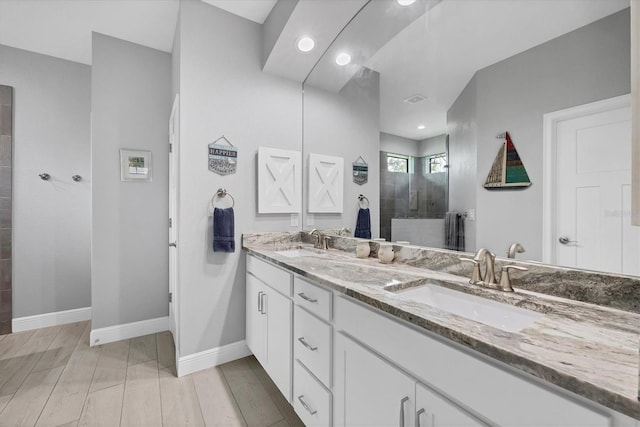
363	224
223	230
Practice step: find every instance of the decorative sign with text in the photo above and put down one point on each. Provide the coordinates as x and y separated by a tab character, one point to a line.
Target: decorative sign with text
223	158
360	171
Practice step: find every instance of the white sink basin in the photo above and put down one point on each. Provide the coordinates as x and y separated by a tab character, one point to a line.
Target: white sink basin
295	253
502	316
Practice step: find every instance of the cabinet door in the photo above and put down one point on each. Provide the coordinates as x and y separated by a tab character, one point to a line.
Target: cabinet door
369	391
279	348
432	410
256	319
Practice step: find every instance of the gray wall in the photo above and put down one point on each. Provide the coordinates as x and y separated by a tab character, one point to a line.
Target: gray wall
586	65
398	145
224	91
175	62
463	135
51	243
346	124
433	145
131	102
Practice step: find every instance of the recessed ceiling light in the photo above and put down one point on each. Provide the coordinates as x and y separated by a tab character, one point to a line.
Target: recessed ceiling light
406	2
305	44
420	127
343	58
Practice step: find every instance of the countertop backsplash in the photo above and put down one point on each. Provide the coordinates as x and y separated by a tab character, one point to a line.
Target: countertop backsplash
608	290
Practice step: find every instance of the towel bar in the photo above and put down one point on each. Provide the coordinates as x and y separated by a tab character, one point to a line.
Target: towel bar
361	199
221	193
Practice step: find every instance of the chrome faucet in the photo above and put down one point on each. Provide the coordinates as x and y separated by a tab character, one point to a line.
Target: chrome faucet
513	249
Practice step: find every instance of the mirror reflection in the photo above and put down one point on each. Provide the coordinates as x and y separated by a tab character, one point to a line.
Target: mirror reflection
429	102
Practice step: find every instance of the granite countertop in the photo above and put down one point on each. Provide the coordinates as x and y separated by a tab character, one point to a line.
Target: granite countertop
588	349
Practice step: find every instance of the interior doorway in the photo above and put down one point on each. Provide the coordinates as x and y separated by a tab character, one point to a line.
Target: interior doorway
174	142
588	188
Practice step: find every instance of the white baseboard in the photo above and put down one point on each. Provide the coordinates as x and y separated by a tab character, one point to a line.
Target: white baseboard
213	357
56	318
128	330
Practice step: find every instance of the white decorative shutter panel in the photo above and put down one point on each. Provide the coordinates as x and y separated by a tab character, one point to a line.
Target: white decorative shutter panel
279	180
326	183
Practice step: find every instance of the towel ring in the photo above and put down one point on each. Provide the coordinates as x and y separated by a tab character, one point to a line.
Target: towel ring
221	193
361	199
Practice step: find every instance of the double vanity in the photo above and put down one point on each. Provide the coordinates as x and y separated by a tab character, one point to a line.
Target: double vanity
352	341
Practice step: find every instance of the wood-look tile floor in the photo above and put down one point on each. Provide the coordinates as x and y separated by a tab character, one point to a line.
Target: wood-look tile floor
51	377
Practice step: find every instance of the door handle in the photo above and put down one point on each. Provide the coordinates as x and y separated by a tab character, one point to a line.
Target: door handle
260	302
402	402
306	298
262	309
420	412
173	245
305	405
565	240
306	344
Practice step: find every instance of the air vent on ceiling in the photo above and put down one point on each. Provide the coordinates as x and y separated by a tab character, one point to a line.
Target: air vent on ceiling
414	99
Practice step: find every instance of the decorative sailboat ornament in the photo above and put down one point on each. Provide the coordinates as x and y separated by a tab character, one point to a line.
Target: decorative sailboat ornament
507	170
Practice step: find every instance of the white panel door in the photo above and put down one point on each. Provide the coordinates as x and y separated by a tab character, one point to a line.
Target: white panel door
593	215
174	141
256	319
369	391
279	180
326	184
279	347
432	410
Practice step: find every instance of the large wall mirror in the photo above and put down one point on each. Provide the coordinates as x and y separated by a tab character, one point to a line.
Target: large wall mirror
426	91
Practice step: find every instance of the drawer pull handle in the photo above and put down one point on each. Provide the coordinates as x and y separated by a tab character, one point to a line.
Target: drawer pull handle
420	412
306	298
306	344
402	402
304	404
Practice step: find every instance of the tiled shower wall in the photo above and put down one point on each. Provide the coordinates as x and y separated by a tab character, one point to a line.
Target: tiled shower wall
6	140
410	195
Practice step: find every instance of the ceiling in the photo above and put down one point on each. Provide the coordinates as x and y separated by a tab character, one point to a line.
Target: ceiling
438	54
62	28
254	10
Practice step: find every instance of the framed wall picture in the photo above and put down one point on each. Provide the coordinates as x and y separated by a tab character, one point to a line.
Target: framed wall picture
135	165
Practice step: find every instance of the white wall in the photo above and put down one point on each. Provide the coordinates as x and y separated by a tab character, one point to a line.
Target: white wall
131	103
398	145
51	246
224	91
347	125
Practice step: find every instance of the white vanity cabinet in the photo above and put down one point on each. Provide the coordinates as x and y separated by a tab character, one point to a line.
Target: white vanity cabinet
373	392
342	362
269	320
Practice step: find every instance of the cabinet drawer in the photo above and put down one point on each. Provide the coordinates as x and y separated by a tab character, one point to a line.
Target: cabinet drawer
273	276
312	297
312	344
311	401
